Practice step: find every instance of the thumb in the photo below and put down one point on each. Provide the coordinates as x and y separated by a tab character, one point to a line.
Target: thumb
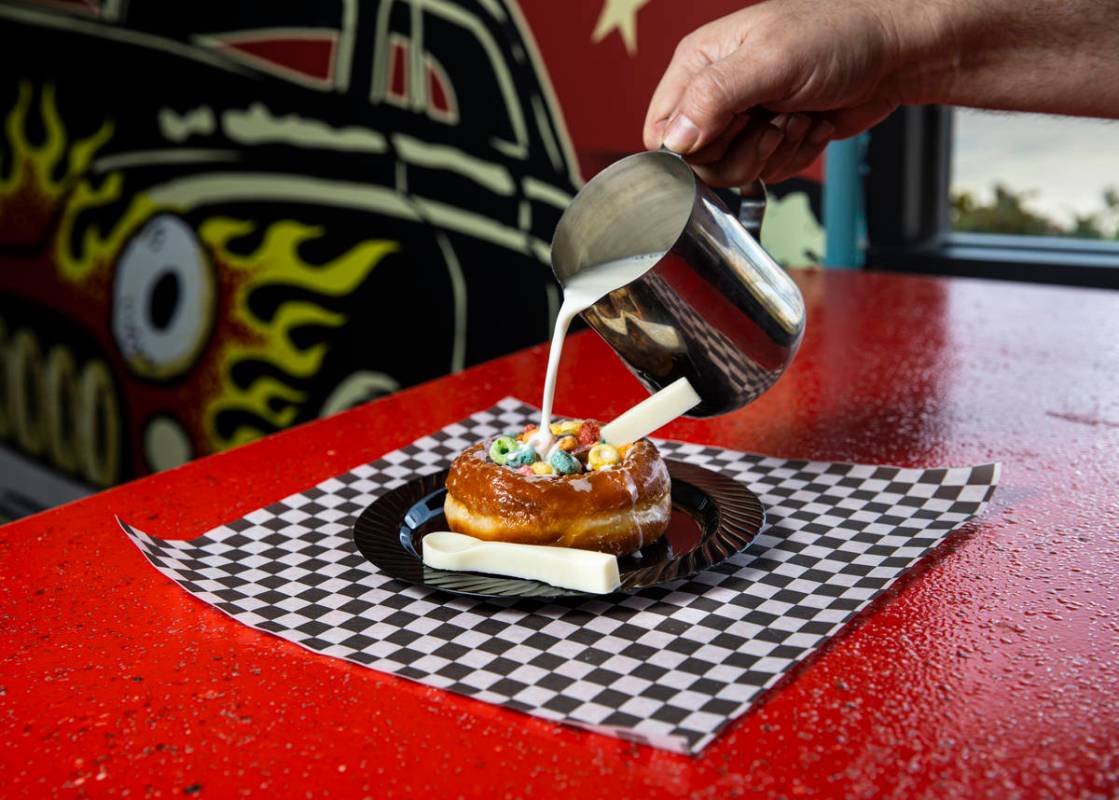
712	98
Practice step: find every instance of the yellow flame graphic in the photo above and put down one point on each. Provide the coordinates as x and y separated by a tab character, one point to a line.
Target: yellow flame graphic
94	248
276	262
42	181
32	174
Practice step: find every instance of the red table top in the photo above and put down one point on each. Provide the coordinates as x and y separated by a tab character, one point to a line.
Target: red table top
990	670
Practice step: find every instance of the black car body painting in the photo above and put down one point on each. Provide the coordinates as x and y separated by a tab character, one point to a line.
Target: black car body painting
221	219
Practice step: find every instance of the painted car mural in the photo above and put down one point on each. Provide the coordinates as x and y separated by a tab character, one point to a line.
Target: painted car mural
274	212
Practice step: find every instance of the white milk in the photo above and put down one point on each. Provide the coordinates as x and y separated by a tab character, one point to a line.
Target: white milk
583	291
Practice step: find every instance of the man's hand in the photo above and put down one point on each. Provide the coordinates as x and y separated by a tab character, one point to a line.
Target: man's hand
823	67
762	91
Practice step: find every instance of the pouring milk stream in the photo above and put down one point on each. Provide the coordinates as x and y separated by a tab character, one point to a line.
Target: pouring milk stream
582	291
569	568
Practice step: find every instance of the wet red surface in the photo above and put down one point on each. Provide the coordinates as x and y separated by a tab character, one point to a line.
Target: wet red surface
992	670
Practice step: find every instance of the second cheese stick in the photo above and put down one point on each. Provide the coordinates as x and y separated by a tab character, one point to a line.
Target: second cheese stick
566	567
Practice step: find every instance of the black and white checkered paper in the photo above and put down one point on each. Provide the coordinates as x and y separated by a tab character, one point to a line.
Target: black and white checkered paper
668	667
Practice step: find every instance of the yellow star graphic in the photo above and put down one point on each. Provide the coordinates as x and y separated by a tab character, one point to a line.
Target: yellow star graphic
620	16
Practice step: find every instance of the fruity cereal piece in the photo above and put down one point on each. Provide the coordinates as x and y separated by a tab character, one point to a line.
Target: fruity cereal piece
564	463
523	457
501	448
603	456
589	433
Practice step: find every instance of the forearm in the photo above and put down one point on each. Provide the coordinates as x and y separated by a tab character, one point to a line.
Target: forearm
834	68
1054	56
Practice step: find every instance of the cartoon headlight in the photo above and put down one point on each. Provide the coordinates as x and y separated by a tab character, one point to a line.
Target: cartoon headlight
163	299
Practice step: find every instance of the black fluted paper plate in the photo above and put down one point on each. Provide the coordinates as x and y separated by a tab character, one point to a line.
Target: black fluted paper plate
713	517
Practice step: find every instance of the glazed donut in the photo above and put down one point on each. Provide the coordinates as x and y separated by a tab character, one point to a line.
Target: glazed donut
618	509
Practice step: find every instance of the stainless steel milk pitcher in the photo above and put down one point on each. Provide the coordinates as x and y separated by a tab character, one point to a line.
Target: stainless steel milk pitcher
714	308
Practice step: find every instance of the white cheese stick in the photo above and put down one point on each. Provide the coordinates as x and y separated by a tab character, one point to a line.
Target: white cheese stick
652	413
566	567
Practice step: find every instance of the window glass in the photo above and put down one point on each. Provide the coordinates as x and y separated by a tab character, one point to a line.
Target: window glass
441	103
1029	174
396	89
305	56
392	56
93	7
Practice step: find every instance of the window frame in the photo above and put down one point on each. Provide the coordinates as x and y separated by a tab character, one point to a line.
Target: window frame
909	165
